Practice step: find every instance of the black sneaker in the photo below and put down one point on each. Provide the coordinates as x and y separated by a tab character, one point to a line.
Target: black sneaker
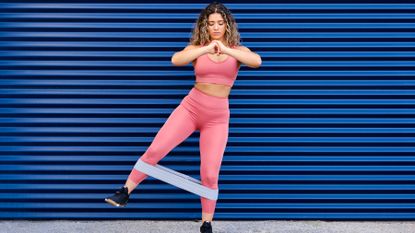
206	227
120	198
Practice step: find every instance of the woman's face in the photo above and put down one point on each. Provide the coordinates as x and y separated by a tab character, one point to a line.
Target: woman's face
216	26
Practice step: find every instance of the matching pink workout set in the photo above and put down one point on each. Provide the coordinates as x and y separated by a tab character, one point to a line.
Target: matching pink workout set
198	111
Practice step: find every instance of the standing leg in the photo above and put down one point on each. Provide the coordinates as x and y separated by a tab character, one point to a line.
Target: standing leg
179	126
213	140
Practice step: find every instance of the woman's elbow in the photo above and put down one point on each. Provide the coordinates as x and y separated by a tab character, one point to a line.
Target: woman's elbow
175	62
258	62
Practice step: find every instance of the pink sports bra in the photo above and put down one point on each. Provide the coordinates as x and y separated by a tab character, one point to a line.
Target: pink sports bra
209	71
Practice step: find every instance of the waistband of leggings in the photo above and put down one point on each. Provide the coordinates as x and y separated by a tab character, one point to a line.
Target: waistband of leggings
214	101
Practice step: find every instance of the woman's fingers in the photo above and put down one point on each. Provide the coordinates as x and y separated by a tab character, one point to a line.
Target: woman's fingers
218	52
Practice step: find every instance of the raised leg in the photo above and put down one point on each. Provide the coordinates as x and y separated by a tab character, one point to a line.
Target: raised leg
179	126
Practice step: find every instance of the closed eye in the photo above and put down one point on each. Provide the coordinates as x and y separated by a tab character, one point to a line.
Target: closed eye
220	23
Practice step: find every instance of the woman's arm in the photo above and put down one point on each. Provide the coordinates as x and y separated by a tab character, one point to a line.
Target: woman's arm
188	54
245	55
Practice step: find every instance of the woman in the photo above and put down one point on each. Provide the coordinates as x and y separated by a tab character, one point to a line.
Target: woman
216	55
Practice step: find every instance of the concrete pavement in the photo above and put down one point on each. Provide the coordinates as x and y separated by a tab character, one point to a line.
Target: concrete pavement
172	226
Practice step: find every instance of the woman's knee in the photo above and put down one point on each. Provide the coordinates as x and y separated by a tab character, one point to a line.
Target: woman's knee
152	155
210	180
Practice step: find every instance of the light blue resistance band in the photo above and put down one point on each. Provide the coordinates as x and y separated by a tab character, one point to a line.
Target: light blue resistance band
177	179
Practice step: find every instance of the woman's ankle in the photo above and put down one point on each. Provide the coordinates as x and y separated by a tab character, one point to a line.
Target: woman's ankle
130	185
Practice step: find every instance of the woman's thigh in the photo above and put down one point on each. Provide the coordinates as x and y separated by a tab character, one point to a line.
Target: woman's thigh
178	126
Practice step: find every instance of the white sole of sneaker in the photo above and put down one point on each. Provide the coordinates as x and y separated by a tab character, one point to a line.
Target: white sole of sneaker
113	203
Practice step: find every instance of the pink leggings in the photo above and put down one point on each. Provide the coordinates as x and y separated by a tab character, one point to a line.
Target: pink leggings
197	110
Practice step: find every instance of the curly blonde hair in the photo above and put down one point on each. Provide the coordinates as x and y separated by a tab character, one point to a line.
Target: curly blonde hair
200	34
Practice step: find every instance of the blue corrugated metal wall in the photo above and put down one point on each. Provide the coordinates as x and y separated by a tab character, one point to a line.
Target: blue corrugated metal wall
323	130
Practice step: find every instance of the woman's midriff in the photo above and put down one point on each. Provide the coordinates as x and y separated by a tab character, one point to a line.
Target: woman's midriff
214	89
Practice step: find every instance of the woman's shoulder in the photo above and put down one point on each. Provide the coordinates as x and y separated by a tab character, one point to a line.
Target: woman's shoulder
243	48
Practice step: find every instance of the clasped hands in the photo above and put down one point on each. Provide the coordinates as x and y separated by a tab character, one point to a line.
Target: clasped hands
217	47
